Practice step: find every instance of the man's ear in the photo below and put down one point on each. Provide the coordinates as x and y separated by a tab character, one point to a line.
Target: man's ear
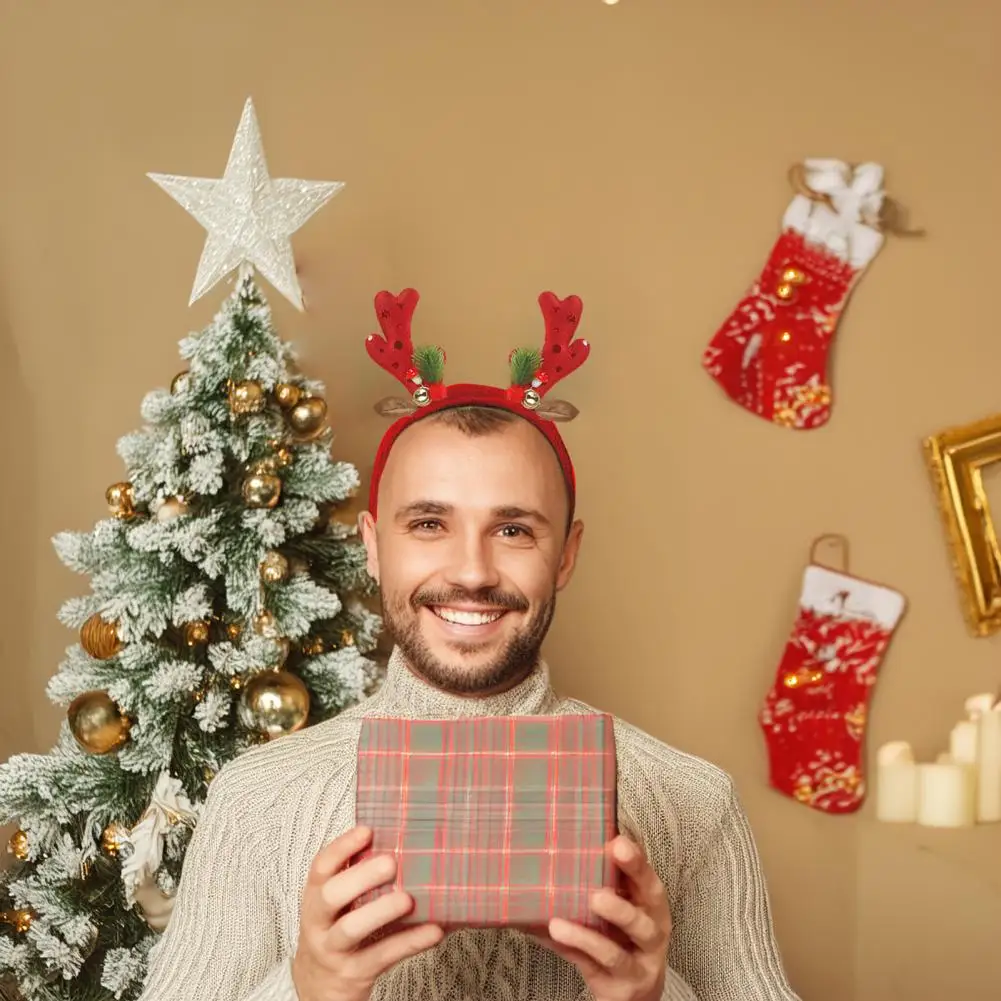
366	527
568	559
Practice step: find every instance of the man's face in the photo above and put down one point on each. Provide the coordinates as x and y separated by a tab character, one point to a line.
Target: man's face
469	550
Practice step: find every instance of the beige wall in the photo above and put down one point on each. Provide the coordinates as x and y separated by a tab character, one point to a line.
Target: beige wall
634	155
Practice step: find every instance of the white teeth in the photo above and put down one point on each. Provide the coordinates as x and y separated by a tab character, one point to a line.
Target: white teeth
464	618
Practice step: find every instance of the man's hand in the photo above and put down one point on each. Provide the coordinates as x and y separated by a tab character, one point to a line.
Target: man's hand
613	972
329	964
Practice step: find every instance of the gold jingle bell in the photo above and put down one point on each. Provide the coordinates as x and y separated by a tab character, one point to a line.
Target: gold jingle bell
274	568
97	723
531	399
246	397
121	500
422	396
307	416
196	633
274	703
262	489
287	395
100	638
18	846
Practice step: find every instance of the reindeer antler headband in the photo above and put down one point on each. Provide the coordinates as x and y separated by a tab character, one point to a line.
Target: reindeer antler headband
421	370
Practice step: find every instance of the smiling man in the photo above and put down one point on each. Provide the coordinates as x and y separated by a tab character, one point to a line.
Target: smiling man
471	533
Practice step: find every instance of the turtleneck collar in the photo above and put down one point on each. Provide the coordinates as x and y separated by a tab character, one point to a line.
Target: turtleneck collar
403	693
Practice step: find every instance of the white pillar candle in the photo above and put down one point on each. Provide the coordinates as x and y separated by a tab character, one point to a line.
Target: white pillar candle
945	796
963	742
987	717
896	784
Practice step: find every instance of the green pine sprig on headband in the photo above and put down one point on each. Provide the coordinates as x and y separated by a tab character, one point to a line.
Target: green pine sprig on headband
525	362
430	364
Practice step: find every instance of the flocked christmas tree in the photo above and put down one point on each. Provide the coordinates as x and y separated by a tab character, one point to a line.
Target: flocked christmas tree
225	609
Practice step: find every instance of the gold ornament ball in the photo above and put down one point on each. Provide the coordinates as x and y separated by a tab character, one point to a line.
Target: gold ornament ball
262	489
196	633
180	382
307	416
100	638
20	920
246	397
112	838
265	624
121	500
287	395
97	723
18	846
170	508
274	568
274	703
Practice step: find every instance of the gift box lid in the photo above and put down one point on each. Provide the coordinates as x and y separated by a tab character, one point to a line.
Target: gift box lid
493	820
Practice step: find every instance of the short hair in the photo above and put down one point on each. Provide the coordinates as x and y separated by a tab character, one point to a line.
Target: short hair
474	420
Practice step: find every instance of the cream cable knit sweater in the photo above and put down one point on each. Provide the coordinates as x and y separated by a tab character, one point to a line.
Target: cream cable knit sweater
235	920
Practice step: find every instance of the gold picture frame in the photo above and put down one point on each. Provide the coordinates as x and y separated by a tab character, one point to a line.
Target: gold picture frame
956	458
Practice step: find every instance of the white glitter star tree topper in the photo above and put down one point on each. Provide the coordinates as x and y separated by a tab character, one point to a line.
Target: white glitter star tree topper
249	215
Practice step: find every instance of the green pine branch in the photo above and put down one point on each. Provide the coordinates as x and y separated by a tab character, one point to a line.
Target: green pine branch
430	363
525	362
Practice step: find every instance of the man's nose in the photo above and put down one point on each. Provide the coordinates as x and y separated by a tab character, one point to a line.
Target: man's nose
472	564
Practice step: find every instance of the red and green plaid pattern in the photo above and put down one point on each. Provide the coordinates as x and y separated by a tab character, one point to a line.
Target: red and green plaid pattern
493	820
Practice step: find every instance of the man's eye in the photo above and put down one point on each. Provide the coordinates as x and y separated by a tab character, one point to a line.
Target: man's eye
426	525
516	531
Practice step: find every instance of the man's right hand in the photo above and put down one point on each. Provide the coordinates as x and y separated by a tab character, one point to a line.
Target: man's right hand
330	964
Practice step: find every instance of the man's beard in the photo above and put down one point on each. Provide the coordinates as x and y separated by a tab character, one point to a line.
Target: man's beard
514	663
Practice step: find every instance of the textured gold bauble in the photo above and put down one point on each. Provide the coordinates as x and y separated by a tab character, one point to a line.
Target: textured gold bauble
246	397
274	568
18	846
307	416
196	633
262	490
265	624
97	723
20	920
287	395
121	500
100	638
180	383
113	837
170	508
274	703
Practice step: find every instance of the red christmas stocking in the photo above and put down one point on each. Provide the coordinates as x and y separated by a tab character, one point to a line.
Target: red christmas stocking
771	354
814	717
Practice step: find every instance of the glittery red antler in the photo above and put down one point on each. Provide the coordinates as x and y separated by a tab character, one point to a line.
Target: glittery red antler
420	370
560	356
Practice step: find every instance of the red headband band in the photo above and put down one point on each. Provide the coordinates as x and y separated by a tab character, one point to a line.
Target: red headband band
421	371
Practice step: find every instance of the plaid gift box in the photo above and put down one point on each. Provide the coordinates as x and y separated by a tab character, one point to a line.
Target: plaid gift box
492	820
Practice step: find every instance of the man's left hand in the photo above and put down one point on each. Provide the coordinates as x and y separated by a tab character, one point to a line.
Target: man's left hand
613	972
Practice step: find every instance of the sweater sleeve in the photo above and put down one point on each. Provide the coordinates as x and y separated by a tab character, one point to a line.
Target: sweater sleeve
222	942
723	944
